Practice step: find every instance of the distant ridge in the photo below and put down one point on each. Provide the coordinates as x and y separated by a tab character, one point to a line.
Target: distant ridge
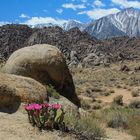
123	23
78	47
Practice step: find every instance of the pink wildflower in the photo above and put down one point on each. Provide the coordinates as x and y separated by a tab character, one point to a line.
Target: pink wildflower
46	105
56	106
29	107
37	106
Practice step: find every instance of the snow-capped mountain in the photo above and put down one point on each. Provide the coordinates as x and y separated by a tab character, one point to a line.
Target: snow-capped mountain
103	29
126	22
66	26
44	25
72	24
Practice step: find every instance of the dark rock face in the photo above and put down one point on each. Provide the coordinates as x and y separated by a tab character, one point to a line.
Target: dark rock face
13	37
78	47
124	68
66	41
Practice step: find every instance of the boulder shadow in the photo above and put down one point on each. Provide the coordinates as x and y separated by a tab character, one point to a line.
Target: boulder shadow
11	108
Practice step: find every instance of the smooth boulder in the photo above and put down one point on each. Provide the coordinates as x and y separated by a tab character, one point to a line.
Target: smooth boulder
16	89
46	64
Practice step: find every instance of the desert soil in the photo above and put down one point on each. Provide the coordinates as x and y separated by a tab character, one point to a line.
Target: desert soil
16	127
127	97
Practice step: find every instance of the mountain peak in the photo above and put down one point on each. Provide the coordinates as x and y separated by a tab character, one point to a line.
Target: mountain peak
72	24
130	10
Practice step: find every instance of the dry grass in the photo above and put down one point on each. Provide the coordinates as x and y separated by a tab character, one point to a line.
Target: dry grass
106	83
86	126
126	118
135	93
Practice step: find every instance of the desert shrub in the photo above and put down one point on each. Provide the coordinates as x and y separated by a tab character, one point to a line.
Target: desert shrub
94	99
97	89
52	92
2	63
97	106
118	100
99	101
46	116
134	125
124	87
134	104
117	120
85	126
135	93
127	118
119	86
107	93
134	81
112	91
85	104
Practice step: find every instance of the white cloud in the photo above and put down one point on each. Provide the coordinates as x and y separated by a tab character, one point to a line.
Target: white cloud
99	3
73	6
126	3
24	16
44	20
4	23
60	11
98	13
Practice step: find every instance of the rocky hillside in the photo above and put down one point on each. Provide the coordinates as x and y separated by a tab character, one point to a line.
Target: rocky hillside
78	47
72	43
13	37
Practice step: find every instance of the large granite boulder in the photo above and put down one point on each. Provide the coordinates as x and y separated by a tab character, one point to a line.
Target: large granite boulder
16	89
46	64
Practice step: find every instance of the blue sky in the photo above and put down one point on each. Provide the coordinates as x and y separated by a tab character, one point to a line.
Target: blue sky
58	11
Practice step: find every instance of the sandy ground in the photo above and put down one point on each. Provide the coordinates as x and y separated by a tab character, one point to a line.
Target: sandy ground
16	127
127	97
114	134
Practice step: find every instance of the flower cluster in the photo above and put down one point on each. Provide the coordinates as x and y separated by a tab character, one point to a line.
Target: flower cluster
46	116
35	106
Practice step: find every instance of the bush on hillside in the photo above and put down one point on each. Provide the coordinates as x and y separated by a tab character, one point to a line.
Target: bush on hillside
52	92
86	126
118	100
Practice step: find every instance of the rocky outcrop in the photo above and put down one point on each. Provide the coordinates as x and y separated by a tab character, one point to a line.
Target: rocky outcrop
75	45
124	68
13	37
16	89
68	106
46	64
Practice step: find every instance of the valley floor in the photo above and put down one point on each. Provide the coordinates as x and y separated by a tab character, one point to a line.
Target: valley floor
96	89
16	127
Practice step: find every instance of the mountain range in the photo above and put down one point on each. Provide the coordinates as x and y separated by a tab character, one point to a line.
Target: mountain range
78	47
106	40
123	23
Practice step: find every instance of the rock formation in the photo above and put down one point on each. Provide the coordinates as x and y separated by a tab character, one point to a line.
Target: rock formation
16	89
46	64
